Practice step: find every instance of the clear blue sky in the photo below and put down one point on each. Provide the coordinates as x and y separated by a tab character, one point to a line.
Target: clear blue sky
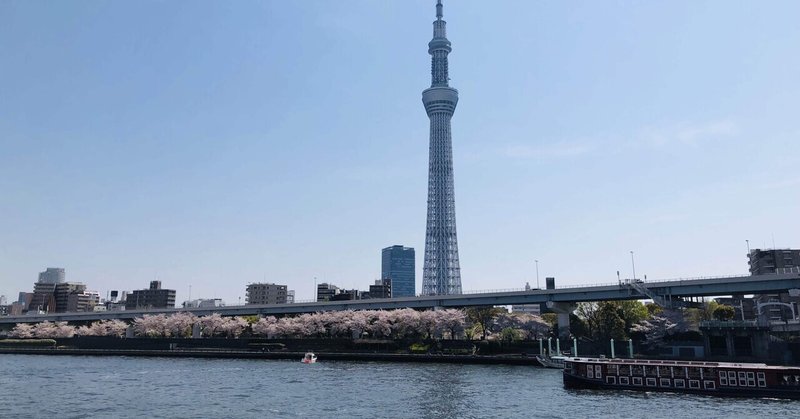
220	143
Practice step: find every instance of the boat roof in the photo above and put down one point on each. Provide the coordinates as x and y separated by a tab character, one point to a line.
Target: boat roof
661	362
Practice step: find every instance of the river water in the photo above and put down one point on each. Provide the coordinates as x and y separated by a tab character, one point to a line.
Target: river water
120	387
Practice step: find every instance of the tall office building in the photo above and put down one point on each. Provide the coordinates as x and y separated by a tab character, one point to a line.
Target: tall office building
52	276
153	297
266	293
397	266
441	270
326	291
44	290
773	261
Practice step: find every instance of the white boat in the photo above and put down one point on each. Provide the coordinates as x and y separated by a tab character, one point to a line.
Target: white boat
551	361
310	358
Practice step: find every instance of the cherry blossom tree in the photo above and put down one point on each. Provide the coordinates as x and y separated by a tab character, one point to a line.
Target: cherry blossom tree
22	331
265	326
233	327
453	322
180	324
380	325
115	327
211	326
658	327
151	326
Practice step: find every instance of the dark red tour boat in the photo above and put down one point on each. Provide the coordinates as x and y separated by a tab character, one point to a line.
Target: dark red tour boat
713	378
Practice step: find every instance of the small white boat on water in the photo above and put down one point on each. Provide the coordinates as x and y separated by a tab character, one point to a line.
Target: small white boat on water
310	358
551	361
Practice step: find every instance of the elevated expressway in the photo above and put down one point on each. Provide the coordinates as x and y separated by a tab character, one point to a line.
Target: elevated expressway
564	297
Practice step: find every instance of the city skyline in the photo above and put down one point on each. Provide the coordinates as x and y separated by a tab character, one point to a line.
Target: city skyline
200	146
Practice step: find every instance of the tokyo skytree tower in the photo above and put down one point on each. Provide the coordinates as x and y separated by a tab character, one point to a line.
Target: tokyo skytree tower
441	271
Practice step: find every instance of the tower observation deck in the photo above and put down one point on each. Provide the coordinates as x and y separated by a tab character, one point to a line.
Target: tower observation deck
441	270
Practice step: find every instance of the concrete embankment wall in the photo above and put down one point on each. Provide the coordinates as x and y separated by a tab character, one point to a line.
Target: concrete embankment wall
326	356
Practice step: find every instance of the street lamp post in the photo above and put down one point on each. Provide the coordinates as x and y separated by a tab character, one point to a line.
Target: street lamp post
633	267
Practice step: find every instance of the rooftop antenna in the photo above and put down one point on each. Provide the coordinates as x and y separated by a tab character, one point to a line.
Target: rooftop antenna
439	7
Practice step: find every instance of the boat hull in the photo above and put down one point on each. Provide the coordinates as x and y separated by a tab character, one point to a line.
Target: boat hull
576	382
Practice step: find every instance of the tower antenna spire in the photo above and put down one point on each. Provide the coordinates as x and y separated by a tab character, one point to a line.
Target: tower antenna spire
442	270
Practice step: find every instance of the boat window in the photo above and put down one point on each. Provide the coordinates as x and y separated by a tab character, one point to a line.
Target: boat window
598	371
751	379
709	385
637	369
665	382
624	381
742	379
651	371
694	372
762	381
624	370
651	382
680	383
590	371
664	372
723	378
613	369
694	383
731	378
637	381
611	380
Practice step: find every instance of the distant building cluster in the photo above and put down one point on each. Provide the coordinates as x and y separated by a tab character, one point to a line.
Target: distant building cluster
768	307
52	293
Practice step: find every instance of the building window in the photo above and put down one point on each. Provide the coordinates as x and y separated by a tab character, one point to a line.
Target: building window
709	385
723	378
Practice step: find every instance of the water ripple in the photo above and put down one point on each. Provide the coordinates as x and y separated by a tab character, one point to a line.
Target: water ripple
73	387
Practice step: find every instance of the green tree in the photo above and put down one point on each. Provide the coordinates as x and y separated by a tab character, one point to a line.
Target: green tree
653	309
588	313
631	312
550	318
724	312
484	317
608	322
577	326
509	334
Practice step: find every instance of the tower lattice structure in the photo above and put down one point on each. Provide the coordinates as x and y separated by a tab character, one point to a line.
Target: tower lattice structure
441	271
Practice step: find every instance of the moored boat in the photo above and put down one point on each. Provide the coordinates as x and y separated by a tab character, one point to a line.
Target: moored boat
551	361
712	378
309	358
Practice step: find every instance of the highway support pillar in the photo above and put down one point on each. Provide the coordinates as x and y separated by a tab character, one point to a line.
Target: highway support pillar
563	310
